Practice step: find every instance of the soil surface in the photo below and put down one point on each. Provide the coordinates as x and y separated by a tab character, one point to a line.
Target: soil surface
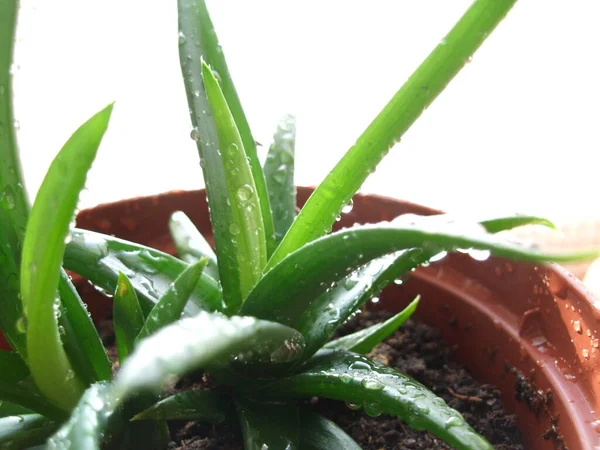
416	350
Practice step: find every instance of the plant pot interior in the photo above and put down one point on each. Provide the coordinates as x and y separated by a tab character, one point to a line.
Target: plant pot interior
530	330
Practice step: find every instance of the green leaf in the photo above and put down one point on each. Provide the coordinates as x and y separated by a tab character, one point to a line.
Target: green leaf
379	389
128	318
418	92
170	306
190	244
205	406
268	425
198	40
363	341
43	250
246	228
17	386
79	336
314	267
23	431
319	433
498	224
279	173
14	206
205	341
12	321
92	417
12	409
100	258
332	308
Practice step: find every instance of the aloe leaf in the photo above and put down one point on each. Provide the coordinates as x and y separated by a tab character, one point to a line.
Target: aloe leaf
424	85
332	308
89	421
498	224
12	409
17	386
319	433
190	244
279	173
268	425
43	250
128	318
314	267
363	341
205	406
170	306
80	338
100	258
352	378
200	42
14	206
247	228
205	341
205	134
23	431
12	321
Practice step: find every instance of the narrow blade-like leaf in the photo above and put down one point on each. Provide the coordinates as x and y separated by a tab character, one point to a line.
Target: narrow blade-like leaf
100	258
17	386
43	250
379	389
128	318
363	341
313	268
14	206
200	42
12	320
89	421
319	433
23	431
425	84
247	228
170	306
332	308
269	425
205	406
206	341
190	244
80	338
279	173
498	224
12	409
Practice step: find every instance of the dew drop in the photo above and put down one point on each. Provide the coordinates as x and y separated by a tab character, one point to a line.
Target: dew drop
7	198
359	365
372	384
577	326
586	353
21	324
372	409
195	134
352	406
181	38
348	207
453	422
346	378
234	229
244	193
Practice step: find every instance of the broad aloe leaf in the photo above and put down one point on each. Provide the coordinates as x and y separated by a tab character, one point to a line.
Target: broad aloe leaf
170	306
198	40
205	406
247	228
100	258
332	308
206	341
190	244
279	173
17	386
269	425
23	431
79	336
379	389
128	318
86	429
318	433
14	206
43	250
314	267
12	409
363	341
405	107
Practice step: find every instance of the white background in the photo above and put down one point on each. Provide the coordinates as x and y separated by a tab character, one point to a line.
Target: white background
518	129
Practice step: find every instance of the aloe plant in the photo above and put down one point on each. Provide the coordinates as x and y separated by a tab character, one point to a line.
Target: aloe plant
258	312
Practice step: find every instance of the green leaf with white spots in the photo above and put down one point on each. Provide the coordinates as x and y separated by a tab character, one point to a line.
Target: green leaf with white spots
205	406
25	430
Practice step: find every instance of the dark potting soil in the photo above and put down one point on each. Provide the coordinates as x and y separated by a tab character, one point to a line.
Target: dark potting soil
416	350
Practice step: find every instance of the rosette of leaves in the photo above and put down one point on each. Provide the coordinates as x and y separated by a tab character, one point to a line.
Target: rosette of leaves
257	314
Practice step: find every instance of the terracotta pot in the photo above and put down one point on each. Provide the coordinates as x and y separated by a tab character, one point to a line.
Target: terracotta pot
533	331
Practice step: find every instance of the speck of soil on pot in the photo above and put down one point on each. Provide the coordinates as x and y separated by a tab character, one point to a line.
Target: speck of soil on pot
416	350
